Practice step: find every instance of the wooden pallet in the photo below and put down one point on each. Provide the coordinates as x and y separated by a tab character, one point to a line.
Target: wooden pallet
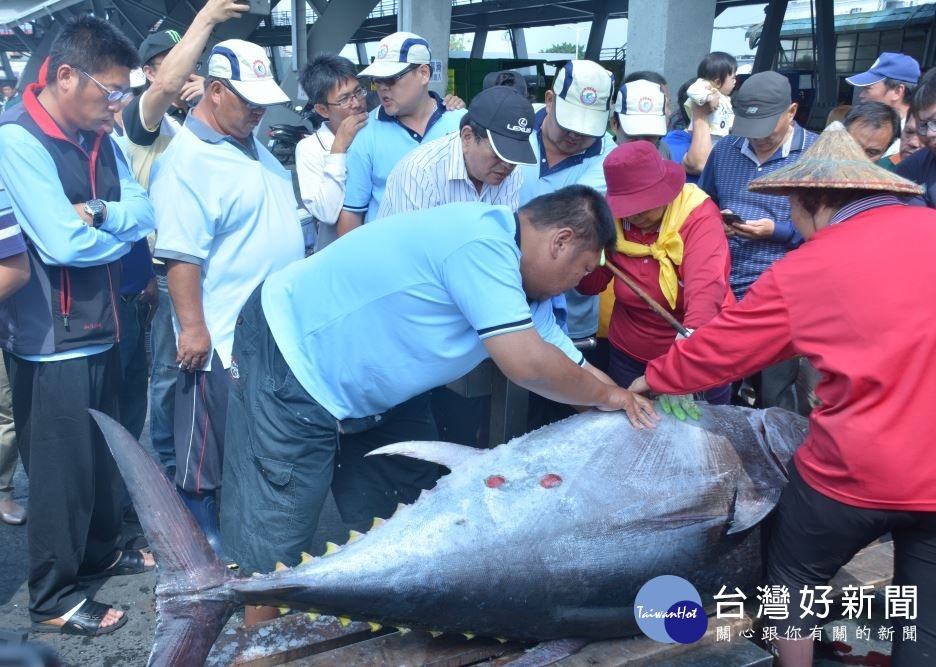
295	639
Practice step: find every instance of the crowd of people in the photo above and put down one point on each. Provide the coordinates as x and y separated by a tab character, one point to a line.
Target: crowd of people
445	235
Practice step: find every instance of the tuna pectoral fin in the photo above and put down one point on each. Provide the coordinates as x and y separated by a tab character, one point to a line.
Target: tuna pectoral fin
550	652
447	454
188	622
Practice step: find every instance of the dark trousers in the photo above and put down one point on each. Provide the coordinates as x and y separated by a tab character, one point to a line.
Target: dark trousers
165	371
74	486
812	536
282	454
134	365
201	404
624	369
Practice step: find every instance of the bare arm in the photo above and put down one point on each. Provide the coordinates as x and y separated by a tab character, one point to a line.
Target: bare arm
701	145
14	273
529	361
185	290
347	221
179	63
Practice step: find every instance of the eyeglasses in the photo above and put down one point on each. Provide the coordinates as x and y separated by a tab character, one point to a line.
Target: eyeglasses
925	127
347	99
113	96
392	80
250	105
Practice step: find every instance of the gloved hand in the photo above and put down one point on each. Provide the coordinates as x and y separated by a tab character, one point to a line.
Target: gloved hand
680	406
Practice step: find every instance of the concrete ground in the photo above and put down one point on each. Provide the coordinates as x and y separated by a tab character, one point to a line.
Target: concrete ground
133	594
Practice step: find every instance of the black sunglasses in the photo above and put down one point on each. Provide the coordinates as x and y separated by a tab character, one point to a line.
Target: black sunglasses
391	80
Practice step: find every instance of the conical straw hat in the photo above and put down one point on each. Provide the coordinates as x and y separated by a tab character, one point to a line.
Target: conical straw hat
834	161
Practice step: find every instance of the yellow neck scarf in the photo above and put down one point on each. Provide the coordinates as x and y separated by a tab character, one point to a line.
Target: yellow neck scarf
668	248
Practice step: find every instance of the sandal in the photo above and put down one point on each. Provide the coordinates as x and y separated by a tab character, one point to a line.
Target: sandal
85	622
128	562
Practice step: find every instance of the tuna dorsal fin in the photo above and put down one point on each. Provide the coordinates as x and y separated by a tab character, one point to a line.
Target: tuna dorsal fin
447	454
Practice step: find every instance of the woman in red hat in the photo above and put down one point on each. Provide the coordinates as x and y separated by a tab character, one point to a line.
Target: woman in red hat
671	242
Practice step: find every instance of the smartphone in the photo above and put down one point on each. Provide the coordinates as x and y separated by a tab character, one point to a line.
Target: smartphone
732	219
261	7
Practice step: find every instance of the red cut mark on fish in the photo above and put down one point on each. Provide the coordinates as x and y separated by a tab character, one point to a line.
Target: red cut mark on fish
550	481
495	481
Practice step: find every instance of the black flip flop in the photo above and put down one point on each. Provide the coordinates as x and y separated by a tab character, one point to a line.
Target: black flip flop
129	562
85	622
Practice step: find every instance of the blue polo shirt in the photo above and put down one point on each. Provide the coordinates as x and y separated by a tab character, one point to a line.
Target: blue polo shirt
539	179
730	167
409	304
377	149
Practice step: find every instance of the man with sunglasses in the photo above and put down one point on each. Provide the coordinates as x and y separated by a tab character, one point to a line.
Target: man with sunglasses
227	219
81	210
409	114
920	166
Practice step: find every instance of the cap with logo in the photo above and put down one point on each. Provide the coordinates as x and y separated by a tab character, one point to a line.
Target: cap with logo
759	103
156	43
396	52
247	67
507	117
639	106
583	91
888	65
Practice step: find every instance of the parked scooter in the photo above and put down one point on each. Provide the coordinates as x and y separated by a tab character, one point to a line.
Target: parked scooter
284	137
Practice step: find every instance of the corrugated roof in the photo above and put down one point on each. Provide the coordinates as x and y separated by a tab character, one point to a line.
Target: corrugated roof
889	19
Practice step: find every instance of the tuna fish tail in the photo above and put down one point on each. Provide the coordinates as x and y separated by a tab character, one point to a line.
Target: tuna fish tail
192	600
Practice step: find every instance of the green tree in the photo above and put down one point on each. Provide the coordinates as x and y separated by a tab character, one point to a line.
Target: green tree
566	47
457	43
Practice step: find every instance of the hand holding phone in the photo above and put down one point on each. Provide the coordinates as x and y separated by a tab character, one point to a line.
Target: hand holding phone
732	218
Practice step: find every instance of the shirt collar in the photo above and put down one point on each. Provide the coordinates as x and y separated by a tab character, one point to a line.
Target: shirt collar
794	142
211	136
862	205
457	171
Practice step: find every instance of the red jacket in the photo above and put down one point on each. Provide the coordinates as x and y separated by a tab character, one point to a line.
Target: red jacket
703	275
858	301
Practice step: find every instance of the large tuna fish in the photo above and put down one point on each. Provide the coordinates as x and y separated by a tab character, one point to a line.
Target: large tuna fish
548	536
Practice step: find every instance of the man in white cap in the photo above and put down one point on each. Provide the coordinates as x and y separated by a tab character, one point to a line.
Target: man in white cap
409	114
226	215
570	140
640	114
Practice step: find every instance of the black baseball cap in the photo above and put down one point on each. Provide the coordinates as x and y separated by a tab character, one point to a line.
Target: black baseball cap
507	117
759	103
156	43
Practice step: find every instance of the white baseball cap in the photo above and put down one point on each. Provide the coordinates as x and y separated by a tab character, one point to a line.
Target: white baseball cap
247	67
396	52
639	106
583	92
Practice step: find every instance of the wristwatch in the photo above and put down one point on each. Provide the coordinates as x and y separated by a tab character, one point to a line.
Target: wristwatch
95	208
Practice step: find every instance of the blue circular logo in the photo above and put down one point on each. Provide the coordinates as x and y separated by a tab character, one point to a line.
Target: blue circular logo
668	609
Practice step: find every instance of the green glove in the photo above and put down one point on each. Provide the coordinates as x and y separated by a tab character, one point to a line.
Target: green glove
680	406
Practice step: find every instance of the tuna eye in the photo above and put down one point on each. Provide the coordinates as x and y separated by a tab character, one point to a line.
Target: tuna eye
550	481
495	481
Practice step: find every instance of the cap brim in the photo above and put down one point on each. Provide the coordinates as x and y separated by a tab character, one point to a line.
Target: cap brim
590	122
264	93
513	151
754	128
659	194
642	126
383	70
864	79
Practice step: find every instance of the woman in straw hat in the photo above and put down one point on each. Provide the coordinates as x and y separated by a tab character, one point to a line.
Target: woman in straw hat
860	309
671	241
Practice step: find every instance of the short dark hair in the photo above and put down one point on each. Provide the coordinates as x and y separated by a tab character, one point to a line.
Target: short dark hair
478	131
875	114
924	96
717	66
92	45
682	96
891	84
323	73
646	75
579	207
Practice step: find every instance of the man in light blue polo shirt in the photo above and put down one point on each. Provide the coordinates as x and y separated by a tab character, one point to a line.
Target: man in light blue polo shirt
571	143
424	297
225	213
409	114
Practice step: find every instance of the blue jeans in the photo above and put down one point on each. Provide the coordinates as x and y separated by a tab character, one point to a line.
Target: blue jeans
163	377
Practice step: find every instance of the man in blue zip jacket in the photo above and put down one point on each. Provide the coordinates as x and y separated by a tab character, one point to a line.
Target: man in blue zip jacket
80	210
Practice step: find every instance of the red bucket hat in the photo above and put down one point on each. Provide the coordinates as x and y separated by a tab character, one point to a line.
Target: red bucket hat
639	179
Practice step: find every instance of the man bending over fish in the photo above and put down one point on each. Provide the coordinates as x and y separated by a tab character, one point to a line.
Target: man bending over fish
415	301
